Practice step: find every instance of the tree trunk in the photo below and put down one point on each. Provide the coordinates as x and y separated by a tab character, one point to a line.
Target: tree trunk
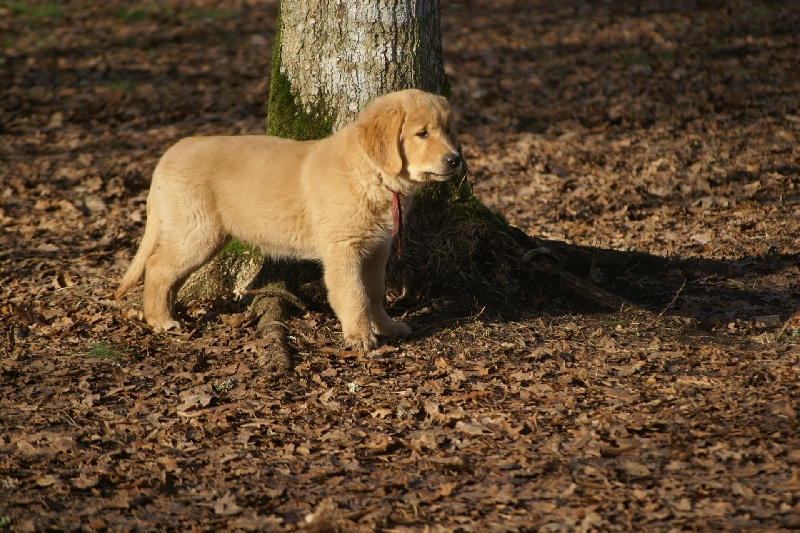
332	57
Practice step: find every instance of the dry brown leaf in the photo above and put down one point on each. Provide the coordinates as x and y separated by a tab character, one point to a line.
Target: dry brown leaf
226	505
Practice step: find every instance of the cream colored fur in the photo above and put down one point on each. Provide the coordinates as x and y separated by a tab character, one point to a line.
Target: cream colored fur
328	200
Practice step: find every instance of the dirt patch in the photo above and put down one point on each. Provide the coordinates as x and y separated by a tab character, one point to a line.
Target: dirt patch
651	150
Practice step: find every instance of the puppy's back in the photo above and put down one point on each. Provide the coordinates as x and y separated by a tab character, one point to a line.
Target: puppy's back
250	185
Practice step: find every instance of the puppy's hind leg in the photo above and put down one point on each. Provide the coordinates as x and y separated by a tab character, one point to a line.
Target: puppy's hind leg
159	278
166	271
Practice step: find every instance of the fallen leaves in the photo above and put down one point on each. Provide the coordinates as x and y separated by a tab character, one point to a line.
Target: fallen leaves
580	124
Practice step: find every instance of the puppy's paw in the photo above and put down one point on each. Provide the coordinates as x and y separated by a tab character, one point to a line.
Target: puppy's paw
361	342
392	328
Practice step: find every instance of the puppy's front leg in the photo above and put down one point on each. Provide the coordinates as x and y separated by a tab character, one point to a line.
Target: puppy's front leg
375	284
348	297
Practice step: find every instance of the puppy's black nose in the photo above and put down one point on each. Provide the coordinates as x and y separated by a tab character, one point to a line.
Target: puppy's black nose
454	161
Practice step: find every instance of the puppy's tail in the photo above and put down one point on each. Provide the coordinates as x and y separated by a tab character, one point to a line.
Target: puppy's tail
146	249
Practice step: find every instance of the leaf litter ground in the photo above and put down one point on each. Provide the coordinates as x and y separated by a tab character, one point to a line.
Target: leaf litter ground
663	135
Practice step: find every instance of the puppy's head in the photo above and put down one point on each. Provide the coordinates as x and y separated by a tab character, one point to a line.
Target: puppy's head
408	135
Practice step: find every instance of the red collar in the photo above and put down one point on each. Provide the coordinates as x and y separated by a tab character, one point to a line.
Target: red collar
397	218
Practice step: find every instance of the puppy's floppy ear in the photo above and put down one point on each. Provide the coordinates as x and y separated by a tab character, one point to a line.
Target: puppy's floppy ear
379	130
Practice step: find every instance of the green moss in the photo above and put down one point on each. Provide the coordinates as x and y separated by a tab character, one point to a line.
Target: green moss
122	85
238	248
457	195
211	14
33	16
50	9
286	117
105	351
130	15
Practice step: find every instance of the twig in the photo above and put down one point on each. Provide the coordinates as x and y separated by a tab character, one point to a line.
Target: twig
448	322
671	303
591	267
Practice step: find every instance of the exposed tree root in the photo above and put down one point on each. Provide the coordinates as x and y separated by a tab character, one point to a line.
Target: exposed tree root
264	285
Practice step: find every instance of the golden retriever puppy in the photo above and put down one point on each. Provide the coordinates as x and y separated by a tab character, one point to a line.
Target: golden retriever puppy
338	200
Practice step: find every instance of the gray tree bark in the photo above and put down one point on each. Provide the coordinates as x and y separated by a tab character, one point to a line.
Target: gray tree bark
332	57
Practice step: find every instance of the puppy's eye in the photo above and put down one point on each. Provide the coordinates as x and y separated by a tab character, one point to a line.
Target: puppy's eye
422	134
